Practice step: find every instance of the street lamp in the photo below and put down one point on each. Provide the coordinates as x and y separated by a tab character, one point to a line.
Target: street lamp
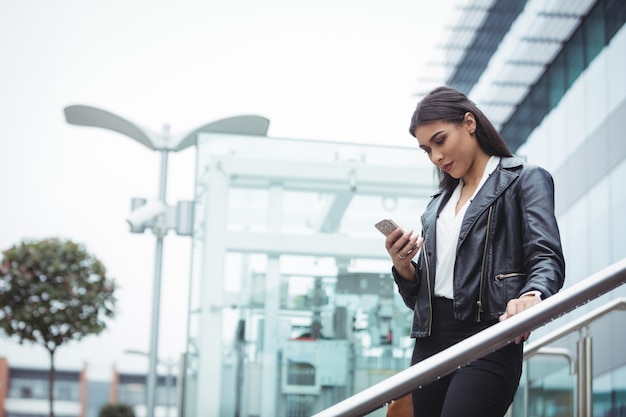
156	218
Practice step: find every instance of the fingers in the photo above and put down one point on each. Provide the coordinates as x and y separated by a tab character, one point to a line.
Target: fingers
515	306
418	241
523	338
403	245
405	253
394	237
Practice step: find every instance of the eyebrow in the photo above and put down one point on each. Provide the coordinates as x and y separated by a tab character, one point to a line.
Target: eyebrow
432	138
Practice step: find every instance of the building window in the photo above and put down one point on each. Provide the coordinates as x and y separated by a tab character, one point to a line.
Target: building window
133	394
28	388
38	389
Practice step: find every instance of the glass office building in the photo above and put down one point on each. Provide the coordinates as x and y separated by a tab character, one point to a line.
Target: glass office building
292	307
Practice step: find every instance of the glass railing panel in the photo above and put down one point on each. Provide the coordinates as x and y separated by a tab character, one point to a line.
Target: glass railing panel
551	387
549	384
547	387
609	393
609	365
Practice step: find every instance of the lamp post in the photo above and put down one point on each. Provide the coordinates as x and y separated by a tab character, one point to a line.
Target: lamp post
83	115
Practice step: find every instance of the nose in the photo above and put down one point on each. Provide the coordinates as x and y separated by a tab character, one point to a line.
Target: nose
436	156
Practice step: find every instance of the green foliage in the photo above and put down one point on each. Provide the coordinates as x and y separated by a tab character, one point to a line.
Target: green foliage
53	291
116	410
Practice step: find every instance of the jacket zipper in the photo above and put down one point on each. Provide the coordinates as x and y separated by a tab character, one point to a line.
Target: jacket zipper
430	300
500	277
482	268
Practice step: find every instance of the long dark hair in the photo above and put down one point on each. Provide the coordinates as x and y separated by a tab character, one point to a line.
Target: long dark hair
450	105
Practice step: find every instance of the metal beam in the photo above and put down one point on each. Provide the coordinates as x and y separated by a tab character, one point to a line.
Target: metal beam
332	218
309	245
326	177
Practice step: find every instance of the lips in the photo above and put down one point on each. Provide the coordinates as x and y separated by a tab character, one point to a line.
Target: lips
446	167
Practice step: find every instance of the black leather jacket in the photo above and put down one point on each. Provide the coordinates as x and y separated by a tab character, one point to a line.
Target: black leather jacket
509	244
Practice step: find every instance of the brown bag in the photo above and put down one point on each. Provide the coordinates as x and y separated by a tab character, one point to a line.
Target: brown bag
402	407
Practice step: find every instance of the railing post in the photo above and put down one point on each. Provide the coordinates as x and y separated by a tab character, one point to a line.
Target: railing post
585	374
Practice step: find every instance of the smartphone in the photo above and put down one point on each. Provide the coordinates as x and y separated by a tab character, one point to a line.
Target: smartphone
386	226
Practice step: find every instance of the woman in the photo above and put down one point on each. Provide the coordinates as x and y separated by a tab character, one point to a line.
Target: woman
489	249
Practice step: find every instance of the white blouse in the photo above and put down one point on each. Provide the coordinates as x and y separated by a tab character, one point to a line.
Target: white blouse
448	229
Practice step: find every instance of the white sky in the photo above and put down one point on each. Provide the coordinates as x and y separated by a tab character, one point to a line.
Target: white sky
338	70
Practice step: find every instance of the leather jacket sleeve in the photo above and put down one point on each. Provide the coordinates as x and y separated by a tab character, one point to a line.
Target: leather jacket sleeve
543	255
408	290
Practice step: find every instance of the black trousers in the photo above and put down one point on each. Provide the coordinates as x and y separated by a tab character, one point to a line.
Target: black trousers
483	388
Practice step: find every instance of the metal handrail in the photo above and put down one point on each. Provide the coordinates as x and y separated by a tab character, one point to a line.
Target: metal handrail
533	348
487	341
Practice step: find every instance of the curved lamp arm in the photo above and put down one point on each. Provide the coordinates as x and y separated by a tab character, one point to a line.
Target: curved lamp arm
83	115
94	117
244	125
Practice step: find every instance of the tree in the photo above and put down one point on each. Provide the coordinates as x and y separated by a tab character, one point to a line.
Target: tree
116	410
51	292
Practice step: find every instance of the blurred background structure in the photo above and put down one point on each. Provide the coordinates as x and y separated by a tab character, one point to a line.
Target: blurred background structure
291	307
